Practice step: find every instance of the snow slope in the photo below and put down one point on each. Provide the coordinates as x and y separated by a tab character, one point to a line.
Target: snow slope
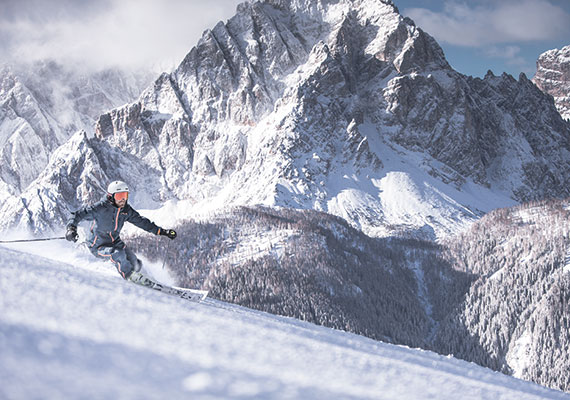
82	332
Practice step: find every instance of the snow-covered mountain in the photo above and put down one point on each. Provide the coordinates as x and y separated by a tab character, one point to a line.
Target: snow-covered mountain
553	77
340	106
43	104
329	105
80	331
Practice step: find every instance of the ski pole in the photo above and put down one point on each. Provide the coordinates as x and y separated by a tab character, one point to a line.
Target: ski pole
32	240
167	247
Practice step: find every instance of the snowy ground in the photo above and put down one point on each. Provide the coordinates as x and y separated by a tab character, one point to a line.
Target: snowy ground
82	332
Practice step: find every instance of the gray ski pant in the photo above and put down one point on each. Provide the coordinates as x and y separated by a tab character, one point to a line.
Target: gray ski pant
124	258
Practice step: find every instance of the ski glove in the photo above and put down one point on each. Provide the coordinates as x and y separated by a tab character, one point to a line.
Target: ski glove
170	233
71	233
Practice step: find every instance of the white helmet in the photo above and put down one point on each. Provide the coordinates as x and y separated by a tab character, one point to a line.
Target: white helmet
117	186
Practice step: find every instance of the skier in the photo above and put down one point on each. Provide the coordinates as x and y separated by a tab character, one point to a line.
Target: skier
109	216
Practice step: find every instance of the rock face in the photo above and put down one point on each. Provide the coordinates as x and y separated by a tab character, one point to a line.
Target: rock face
334	105
553	77
43	104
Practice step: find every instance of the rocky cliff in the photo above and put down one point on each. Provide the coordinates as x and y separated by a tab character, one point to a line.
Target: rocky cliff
553	77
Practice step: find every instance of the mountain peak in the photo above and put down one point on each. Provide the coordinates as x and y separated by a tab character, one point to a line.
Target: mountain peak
553	77
303	5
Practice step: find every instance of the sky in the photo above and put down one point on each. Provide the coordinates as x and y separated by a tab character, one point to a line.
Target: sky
153	34
502	36
476	35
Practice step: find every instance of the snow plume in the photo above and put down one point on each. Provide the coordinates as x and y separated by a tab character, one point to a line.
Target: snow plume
105	33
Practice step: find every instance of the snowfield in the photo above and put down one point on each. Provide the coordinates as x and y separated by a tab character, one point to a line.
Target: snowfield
70	327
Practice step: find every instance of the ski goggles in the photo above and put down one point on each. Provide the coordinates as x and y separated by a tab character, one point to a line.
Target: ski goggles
121	196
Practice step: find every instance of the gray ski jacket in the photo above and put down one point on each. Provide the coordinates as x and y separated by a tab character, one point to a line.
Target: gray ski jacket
108	220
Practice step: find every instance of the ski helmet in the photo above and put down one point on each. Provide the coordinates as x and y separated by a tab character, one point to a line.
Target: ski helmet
116	187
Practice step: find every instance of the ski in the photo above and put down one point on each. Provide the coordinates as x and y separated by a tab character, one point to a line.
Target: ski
188	294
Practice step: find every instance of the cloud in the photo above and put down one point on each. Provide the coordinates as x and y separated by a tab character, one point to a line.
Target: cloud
510	54
103	33
491	22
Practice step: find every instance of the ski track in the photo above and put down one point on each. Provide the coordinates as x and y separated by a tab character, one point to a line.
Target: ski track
82	332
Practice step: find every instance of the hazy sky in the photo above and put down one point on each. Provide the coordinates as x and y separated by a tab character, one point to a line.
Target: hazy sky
157	33
476	35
